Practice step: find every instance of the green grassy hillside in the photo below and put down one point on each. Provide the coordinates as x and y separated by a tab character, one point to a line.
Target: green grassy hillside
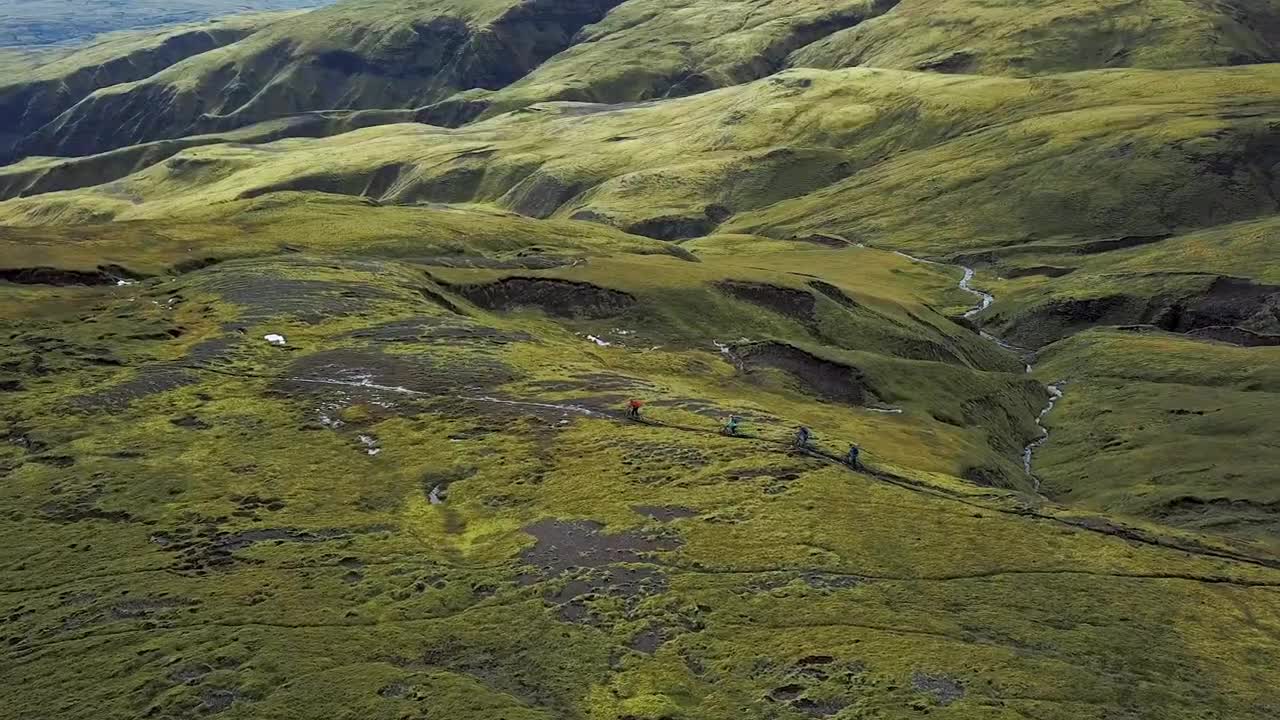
219	525
1168	428
983	162
357	54
317	349
51	81
467	58
1039	37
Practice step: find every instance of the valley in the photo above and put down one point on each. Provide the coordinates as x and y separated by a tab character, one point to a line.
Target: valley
321	329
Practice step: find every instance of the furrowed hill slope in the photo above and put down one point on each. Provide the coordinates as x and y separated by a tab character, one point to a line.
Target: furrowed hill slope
1050	36
924	161
352	55
456	61
32	97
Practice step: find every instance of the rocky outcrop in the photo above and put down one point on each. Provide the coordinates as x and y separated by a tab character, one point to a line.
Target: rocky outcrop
826	378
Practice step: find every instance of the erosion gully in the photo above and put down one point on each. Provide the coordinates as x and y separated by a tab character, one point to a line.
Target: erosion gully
985	299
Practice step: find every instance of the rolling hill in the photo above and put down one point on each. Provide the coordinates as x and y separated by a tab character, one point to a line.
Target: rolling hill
320	330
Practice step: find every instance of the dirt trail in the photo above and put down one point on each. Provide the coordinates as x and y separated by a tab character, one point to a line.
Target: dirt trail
1097	525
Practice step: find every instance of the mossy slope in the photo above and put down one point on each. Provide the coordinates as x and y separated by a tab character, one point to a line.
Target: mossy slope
419	505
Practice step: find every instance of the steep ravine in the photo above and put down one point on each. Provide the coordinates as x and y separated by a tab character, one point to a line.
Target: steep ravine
985	299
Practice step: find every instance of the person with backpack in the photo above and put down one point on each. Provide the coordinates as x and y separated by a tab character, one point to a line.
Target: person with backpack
803	437
633	408
731	426
852	458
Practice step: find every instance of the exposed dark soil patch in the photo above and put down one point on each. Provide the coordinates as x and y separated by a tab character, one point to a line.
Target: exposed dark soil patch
213	350
664	513
560	298
449	331
785	301
1235	310
823	239
1226	302
786	693
189	674
626	586
148	381
263	294
988	477
441	300
1086	247
818	708
82	506
190	422
814	579
1235	336
390	379
524	262
647	641
942	688
58	461
673	227
103	275
1094	247
1045	270
1222	514
834	293
206	546
542	193
394	690
214	701
959	61
565	544
825	378
194	264
145	608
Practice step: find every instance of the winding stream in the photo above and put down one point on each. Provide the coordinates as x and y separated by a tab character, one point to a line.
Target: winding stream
985	299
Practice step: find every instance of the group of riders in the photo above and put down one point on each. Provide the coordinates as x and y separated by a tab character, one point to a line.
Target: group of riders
802	440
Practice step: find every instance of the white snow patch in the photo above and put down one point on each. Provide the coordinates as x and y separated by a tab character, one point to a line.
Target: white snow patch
274	339
599	341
